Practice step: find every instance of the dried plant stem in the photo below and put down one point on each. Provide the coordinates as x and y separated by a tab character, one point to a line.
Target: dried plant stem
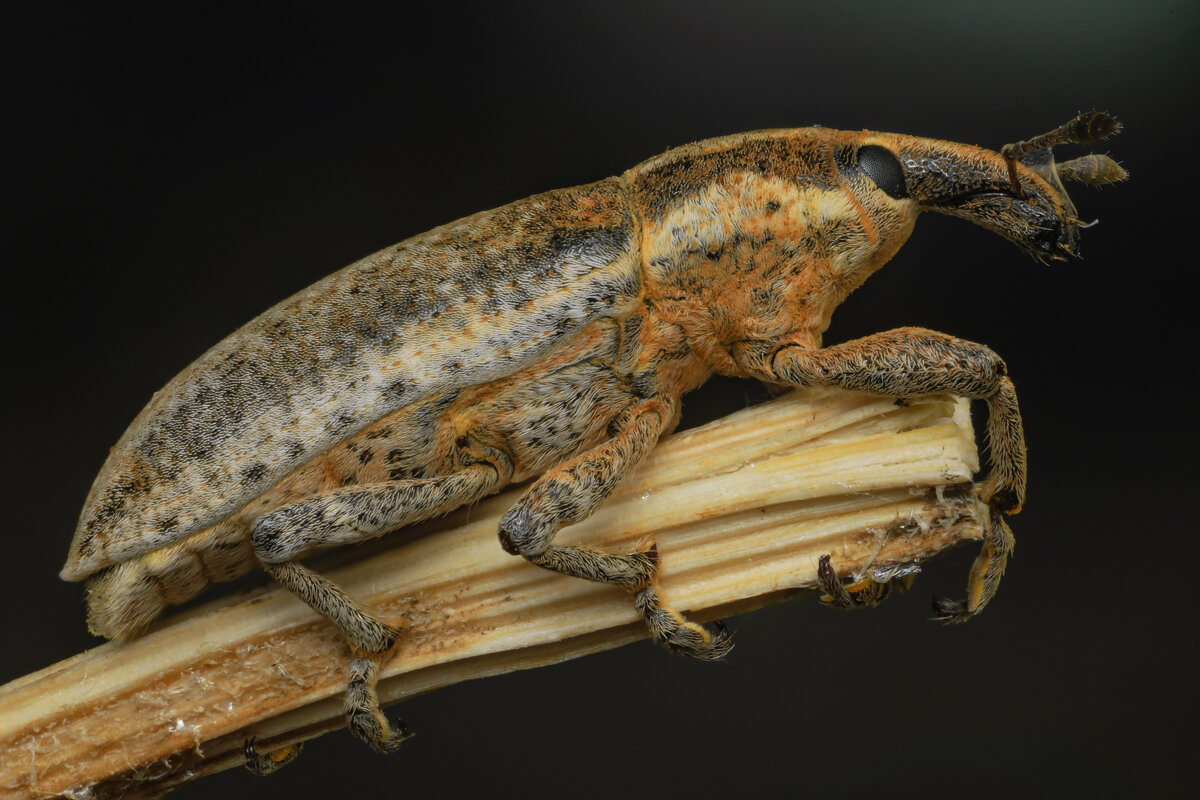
741	510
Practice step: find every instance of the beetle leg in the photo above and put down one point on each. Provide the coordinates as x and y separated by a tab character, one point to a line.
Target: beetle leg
352	514
267	763
985	574
859	594
369	638
363	714
670	629
356	513
570	493
908	362
365	633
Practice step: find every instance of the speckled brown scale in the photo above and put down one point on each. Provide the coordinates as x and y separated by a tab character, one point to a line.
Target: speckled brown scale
552	339
771	233
384	332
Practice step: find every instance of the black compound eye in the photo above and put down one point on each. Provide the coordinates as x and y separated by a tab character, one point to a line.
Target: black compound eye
881	165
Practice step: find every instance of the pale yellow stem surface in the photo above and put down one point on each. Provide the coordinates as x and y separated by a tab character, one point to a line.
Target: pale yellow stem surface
741	509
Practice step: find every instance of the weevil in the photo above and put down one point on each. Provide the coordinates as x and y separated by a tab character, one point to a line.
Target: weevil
551	341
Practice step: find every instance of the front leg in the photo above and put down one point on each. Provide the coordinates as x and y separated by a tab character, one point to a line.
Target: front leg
866	592
909	362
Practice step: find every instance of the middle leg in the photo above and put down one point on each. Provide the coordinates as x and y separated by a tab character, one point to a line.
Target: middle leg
571	492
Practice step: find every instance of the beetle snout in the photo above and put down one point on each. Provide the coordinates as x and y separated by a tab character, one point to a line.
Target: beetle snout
942	175
1017	192
978	185
1040	223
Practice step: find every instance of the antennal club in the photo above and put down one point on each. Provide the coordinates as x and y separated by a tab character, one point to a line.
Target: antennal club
1094	169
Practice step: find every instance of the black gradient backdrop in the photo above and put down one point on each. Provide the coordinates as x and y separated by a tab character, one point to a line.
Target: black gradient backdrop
173	173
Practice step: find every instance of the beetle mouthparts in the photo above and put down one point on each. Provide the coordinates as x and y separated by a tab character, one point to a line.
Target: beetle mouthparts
1051	243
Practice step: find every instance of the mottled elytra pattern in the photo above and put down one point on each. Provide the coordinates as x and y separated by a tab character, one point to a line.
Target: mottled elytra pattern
552	339
462	305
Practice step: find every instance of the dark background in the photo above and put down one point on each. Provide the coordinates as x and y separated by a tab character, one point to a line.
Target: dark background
172	174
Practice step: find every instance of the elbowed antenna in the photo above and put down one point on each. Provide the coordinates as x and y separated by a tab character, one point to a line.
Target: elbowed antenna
1088	127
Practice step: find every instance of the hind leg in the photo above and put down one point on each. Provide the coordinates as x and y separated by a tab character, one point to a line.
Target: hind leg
353	514
570	493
